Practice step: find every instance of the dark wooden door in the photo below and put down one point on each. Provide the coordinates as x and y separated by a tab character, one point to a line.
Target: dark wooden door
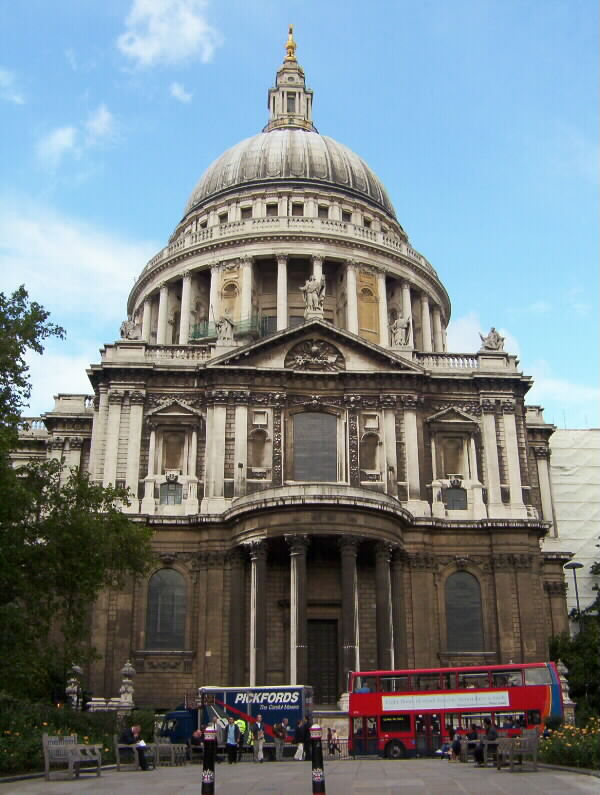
323	660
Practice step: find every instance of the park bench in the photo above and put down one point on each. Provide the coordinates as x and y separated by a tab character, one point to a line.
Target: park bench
513	750
126	754
66	750
167	753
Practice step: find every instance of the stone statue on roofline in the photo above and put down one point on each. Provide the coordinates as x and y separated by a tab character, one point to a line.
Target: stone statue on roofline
492	342
224	327
314	295
130	330
400	331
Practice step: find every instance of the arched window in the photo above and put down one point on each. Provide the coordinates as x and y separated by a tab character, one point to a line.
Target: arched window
229	300
463	613
259	449
165	620
315	446
368	314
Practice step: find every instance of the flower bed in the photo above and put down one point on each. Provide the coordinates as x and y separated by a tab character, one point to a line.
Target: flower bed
572	746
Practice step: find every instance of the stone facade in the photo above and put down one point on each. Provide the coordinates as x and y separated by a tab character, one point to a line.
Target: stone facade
322	476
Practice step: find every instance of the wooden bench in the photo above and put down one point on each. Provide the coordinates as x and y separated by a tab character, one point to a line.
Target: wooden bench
63	750
518	749
168	753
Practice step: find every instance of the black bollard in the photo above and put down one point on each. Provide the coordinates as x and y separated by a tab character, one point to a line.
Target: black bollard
208	761
318	769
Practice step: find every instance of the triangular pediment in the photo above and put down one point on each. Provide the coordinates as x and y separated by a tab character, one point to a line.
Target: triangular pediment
452	416
315	346
173	408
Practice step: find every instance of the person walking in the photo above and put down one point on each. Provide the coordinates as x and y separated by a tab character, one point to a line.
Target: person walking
258	734
299	740
280	732
232	737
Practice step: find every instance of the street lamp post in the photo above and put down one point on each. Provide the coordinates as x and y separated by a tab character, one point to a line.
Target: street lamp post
573	566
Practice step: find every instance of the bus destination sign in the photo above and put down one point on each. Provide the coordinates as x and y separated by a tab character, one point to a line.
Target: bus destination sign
446	701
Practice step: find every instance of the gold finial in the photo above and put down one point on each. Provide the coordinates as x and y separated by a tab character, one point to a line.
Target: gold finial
290	45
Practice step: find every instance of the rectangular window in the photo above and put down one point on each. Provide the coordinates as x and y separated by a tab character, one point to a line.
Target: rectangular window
537	676
395	723
394	684
297	208
171	493
367	223
473	681
246	213
507	679
323	211
268	325
271	210
291	102
427	681
346	217
223	218
371	421
259	418
203	224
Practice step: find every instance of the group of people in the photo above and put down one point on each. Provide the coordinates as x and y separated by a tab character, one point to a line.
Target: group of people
474	742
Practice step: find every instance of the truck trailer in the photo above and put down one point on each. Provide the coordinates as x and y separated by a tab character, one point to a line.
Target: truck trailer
274	703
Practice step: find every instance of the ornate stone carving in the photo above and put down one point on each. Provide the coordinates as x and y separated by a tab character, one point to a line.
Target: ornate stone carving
164	665
488	406
137	398
508	407
492	341
353	448
224	327
383	551
298	544
115	396
474	409
555	588
510	562
167	558
315	355
130	330
353	401
257	549
387	401
409	401
314	295
277	461
400	332
541	452
462	561
421	561
75	442
348	545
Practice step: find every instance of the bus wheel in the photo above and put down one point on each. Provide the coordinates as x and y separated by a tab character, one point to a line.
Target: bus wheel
395	750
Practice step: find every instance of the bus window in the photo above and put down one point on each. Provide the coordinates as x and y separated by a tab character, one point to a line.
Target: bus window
365	684
515	679
537	676
503	678
452	720
394	684
395	723
534	717
447	681
427	681
473	681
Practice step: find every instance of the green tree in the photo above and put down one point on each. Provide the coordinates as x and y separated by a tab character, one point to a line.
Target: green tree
63	538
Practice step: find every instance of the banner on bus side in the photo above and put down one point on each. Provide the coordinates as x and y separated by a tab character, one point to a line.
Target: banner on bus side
446	701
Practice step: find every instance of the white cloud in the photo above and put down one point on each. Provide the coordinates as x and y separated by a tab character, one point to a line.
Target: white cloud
8	88
169	32
100	124
53	147
179	92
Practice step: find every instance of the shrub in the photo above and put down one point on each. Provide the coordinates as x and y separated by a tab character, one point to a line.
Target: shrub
22	724
572	746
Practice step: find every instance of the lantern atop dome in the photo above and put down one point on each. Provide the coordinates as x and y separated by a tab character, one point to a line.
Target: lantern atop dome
290	102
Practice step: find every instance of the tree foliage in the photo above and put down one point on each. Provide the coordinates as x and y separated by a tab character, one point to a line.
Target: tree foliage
63	538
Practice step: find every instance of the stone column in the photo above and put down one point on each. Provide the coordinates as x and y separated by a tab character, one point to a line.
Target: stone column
490	447
407	312
214	303
282	289
240	451
258	612
384	332
298	626
237	600
136	416
411	447
147	319
152	452
351	298
383	602
317	266
425	323
246	297
398	611
438	340
350	643
215	451
542	456
148	503
115	399
512	454
163	315
186	305
98	433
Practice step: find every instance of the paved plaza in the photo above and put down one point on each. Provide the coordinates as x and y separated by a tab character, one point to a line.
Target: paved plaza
369	777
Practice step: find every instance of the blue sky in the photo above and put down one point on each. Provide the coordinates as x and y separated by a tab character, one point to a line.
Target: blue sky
480	117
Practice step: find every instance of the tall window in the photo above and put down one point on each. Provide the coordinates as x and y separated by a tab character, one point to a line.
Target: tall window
463	613
291	102
315	446
165	621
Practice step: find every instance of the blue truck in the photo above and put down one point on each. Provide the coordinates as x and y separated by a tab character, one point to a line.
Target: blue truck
274	703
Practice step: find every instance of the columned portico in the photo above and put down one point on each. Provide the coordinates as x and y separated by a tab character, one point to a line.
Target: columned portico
258	613
298	629
350	641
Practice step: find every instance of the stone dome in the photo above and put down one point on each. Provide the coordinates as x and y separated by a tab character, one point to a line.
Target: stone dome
290	154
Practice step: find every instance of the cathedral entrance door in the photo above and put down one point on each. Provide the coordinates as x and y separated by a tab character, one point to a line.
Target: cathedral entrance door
323	660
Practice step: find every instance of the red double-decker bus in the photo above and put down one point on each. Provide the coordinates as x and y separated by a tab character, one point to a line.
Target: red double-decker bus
414	712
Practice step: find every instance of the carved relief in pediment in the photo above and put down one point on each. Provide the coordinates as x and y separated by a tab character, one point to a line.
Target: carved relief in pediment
316	355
